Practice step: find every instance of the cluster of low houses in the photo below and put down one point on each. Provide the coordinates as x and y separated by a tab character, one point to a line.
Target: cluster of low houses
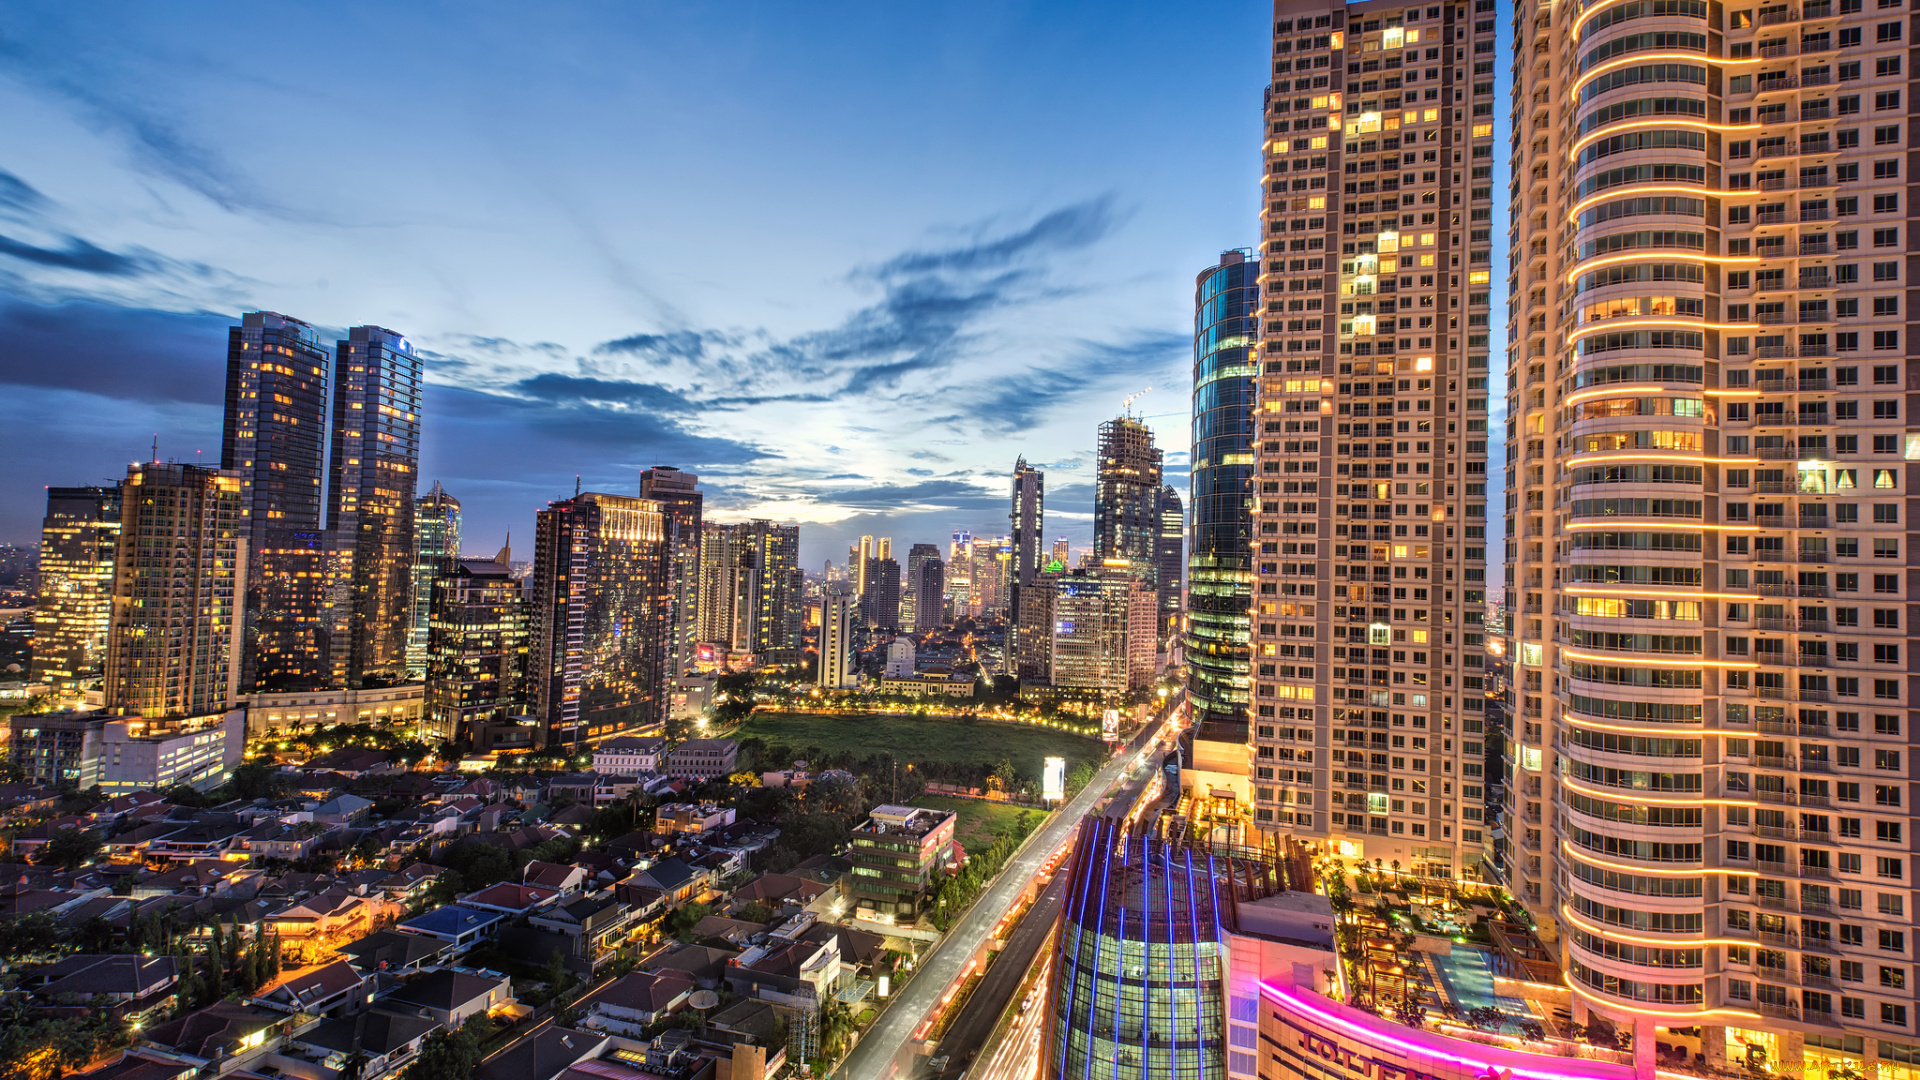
375	971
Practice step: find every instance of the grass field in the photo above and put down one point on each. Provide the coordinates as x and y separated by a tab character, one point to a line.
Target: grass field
915	739
981	822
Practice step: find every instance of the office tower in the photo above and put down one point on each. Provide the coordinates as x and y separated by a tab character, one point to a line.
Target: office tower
1169	556
917	556
78	543
880	604
479	627
680	498
1062	552
274	438
1126	507
960	573
837	611
1089	634
1226	332
1371	505
180	559
1707	555
375	467
436	542
1025	517
885	548
599	596
929	590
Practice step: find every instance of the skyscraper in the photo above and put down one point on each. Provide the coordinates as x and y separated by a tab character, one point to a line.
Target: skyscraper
1126	506
78	544
172	640
479	629
679	496
857	557
275	439
1062	551
880	604
597	662
960	573
375	469
1707	556
1371	506
1026	518
836	637
930	606
1226	334
917	556
753	593
1169	557
436	543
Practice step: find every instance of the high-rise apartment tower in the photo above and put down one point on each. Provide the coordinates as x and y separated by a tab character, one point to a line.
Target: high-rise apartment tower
1709	437
78	543
679	496
1126	500
172	641
1370	464
1026	517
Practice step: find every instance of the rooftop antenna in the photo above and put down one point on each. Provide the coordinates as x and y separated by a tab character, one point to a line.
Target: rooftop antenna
156	448
576	485
1126	404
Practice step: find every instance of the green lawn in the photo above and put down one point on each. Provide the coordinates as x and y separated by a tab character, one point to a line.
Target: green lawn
922	739
981	822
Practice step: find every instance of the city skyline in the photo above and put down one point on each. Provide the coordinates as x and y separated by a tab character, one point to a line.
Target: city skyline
627	342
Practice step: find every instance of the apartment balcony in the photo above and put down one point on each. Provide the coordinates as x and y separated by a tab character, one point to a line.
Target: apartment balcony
1815	247
1814	213
1775	18
1774	52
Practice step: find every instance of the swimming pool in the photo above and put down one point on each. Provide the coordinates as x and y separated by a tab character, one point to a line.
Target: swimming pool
1468	973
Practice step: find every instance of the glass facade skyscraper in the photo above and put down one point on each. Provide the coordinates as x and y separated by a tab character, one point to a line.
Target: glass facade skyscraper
1226	330
275	440
376	459
436	546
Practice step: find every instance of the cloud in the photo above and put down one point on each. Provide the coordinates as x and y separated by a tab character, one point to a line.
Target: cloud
1068	228
569	389
17	194
79	255
130	354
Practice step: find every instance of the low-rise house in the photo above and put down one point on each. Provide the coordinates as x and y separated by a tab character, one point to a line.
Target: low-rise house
275	840
627	1005
734	931
708	966
510	899
785	893
693	818
133	845
343	810
395	952
352	762
681	882
798	974
134	1065
137	986
595	924
561	878
221	1037
576	786
384	1042
322	918
410	882
460	927
448	996
702	759
207	838
336	987
198	877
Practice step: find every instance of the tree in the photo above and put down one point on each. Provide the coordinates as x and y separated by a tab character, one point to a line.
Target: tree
559	979
450	1055
1411	1013
1485	1018
254	780
70	849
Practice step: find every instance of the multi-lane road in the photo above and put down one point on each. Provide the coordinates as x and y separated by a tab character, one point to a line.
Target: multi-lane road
886	1050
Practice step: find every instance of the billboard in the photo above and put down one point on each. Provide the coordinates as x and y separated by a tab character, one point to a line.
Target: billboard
1053	779
1110	725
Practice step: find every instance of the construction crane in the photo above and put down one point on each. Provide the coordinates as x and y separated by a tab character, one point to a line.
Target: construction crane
1126	403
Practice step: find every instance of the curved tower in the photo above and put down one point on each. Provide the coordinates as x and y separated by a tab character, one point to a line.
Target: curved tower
1704	564
1226	330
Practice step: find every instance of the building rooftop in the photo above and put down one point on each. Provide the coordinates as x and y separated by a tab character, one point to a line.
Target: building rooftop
908	820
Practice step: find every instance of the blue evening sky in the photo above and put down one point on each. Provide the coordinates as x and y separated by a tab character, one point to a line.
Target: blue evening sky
844	261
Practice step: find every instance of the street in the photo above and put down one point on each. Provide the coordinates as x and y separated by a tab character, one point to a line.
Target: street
884	1050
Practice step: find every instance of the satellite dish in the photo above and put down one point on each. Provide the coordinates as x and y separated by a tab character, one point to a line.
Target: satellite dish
703	1000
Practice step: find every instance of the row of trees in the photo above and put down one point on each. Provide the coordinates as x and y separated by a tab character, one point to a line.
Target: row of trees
35	1047
952	895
